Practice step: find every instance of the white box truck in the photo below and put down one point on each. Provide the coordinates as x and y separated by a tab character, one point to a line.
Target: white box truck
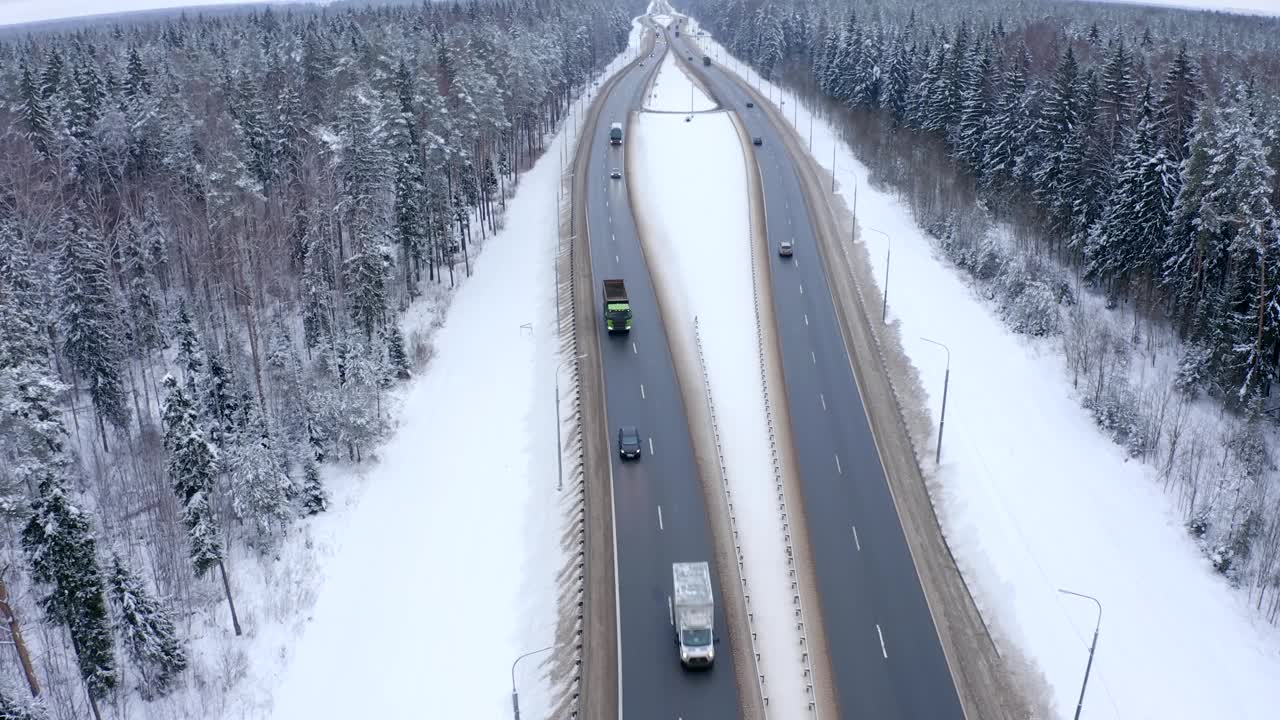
693	611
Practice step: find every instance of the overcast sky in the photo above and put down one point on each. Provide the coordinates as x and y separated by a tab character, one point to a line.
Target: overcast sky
1260	7
13	12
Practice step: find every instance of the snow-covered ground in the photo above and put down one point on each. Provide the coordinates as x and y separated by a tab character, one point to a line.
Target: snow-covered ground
697	219
674	92
1035	499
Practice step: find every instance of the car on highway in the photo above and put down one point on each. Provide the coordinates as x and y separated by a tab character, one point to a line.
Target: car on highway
629	442
615	173
750	104
757	140
784	248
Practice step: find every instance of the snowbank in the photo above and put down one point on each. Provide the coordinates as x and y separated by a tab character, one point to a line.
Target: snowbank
1034	498
692	191
673	91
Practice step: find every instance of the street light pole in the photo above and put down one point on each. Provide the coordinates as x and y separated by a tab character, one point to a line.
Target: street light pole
833	167
1092	646
884	307
946	381
515	697
559	443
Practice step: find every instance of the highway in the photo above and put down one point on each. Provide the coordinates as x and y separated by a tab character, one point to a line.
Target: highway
884	648
660	513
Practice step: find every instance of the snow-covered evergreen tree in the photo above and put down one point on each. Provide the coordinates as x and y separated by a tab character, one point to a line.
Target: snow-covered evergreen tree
61	549
90	323
260	483
147	630
315	499
192	466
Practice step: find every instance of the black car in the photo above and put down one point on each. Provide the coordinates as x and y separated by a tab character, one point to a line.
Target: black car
629	442
757	141
750	104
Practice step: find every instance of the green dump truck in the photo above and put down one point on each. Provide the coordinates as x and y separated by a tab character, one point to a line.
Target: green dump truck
617	309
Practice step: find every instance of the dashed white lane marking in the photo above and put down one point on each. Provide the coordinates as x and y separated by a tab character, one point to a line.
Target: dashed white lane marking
855	538
813	357
838	468
651	452
660	527
806	318
671	613
801	288
642	391
883	651
634	350
823	398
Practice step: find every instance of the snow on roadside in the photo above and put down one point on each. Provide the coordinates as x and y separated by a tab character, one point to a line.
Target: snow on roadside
429	597
673	91
697	218
437	565
1034	498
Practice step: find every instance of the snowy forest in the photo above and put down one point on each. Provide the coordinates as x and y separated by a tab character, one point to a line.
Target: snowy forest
1105	174
210	227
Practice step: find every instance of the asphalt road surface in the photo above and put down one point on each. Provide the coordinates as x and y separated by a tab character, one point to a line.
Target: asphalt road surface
884	648
660	513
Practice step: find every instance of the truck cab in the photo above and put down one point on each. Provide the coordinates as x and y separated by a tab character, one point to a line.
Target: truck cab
615	134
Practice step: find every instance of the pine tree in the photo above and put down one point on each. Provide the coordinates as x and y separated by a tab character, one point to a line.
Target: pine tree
190	357
1192	251
192	466
1126	240
1058	138
144	309
396	356
61	549
314	498
260	486
221	404
147	630
1180	97
1008	134
366	273
975	107
90	322
35	114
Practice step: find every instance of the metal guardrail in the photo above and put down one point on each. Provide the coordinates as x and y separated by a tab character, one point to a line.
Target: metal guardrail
733	517
801	627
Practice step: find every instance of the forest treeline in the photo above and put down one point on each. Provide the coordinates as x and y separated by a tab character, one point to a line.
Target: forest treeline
209	229
1131	151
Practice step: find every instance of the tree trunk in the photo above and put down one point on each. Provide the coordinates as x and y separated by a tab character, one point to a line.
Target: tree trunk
226	586
20	645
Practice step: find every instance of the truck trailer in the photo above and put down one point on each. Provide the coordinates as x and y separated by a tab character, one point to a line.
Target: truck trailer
615	134
693	612
617	308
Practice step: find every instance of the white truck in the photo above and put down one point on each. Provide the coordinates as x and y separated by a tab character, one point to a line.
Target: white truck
693	611
615	133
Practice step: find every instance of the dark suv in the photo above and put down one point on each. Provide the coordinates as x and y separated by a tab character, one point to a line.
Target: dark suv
629	442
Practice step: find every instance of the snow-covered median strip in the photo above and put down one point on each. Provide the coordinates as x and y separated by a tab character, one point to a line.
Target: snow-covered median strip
673	91
692	193
1034	498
